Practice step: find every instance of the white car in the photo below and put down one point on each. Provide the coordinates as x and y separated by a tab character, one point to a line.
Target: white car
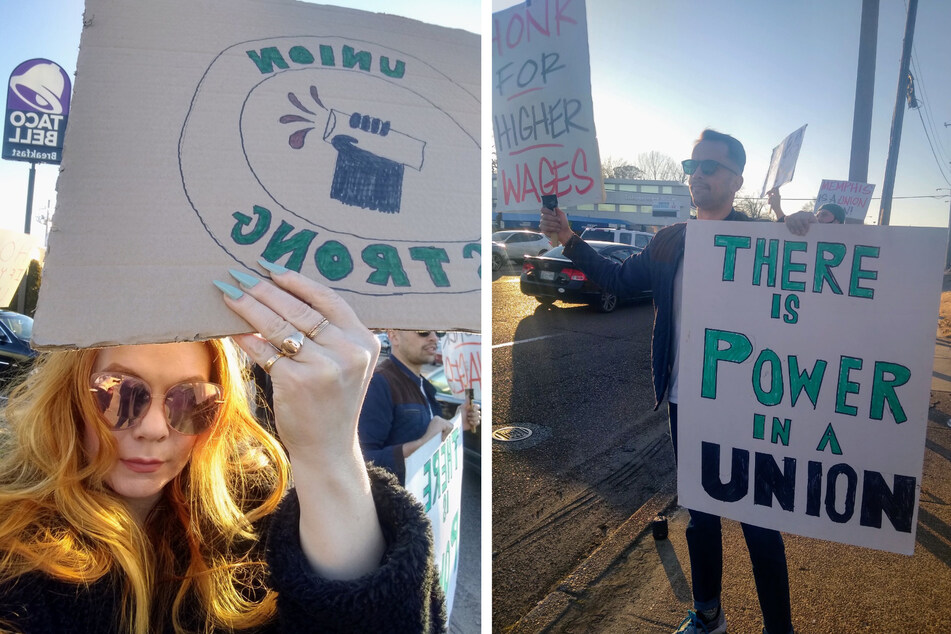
519	243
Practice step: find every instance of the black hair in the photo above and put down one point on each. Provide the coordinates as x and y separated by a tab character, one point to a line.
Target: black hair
835	210
734	149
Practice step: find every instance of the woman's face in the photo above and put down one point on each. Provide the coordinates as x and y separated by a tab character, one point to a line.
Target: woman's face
151	453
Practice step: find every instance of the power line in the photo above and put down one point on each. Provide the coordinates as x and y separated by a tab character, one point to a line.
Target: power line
937	161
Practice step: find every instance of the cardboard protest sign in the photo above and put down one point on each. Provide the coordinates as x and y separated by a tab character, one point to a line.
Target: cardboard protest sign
209	135
805	374
17	250
782	164
434	477
542	113
852	196
462	362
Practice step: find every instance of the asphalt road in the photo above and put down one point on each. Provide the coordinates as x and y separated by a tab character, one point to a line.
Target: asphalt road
580	381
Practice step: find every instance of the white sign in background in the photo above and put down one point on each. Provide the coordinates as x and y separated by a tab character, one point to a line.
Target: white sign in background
16	253
434	477
462	362
804	383
852	196
782	164
542	112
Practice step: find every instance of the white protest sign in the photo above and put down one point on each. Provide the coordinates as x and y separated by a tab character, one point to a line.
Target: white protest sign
434	477
462	362
805	375
852	196
16	253
782	164
542	113
208	135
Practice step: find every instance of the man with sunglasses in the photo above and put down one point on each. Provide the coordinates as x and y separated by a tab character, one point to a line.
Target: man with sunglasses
715	172
400	412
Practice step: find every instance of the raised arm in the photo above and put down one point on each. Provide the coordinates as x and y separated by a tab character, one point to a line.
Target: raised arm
318	392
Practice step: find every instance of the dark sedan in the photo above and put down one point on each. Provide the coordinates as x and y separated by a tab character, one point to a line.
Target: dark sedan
552	277
15	352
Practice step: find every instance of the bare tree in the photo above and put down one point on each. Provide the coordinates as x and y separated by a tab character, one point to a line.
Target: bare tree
657	166
809	205
753	206
618	168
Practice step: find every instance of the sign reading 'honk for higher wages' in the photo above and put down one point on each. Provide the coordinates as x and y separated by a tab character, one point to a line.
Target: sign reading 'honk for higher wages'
805	371
210	135
542	113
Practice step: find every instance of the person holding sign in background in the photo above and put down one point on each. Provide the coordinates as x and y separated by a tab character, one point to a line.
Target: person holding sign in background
401	412
828	213
138	493
715	170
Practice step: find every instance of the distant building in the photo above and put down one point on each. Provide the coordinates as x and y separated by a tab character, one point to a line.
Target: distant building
630	204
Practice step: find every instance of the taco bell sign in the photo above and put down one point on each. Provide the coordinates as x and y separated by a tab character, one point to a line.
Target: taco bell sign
37	110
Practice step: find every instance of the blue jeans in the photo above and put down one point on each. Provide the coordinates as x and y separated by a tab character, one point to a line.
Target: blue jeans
767	553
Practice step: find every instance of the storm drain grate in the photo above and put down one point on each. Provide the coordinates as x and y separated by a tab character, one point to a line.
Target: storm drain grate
518	437
511	434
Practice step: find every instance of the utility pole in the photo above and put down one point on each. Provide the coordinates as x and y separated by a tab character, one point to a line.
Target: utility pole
864	93
894	140
947	260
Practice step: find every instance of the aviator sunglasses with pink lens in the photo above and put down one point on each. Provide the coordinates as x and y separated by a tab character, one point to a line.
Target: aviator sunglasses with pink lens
123	400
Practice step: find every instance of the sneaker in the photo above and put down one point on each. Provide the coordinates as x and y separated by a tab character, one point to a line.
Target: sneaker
694	624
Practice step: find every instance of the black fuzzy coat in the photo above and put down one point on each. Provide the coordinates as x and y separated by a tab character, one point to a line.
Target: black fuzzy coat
402	595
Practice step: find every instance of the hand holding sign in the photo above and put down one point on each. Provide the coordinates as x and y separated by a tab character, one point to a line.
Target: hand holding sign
554	223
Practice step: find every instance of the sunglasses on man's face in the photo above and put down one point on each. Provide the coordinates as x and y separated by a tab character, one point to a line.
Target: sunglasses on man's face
123	400
707	166
426	333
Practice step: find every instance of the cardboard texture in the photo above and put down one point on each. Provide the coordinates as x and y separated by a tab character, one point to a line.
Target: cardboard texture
207	135
805	375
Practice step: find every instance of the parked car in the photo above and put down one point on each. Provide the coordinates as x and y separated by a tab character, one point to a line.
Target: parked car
16	355
519	243
385	348
624	236
471	441
499	256
552	277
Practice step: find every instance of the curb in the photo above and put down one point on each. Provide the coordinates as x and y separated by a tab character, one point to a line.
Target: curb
549	610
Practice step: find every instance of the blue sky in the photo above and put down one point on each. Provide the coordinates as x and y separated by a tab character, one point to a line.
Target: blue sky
663	71
51	28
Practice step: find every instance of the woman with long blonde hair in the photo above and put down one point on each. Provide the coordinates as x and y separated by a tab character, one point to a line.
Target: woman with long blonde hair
139	494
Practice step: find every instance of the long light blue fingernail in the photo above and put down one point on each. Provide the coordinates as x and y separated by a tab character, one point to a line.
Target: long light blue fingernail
247	281
229	290
273	268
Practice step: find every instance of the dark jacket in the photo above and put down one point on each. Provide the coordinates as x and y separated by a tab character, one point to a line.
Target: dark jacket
402	595
395	412
653	268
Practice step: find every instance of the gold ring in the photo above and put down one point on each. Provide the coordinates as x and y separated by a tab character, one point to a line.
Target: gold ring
292	344
319	328
270	362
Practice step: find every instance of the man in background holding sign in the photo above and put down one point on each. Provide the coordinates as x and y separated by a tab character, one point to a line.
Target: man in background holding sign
400	412
715	170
